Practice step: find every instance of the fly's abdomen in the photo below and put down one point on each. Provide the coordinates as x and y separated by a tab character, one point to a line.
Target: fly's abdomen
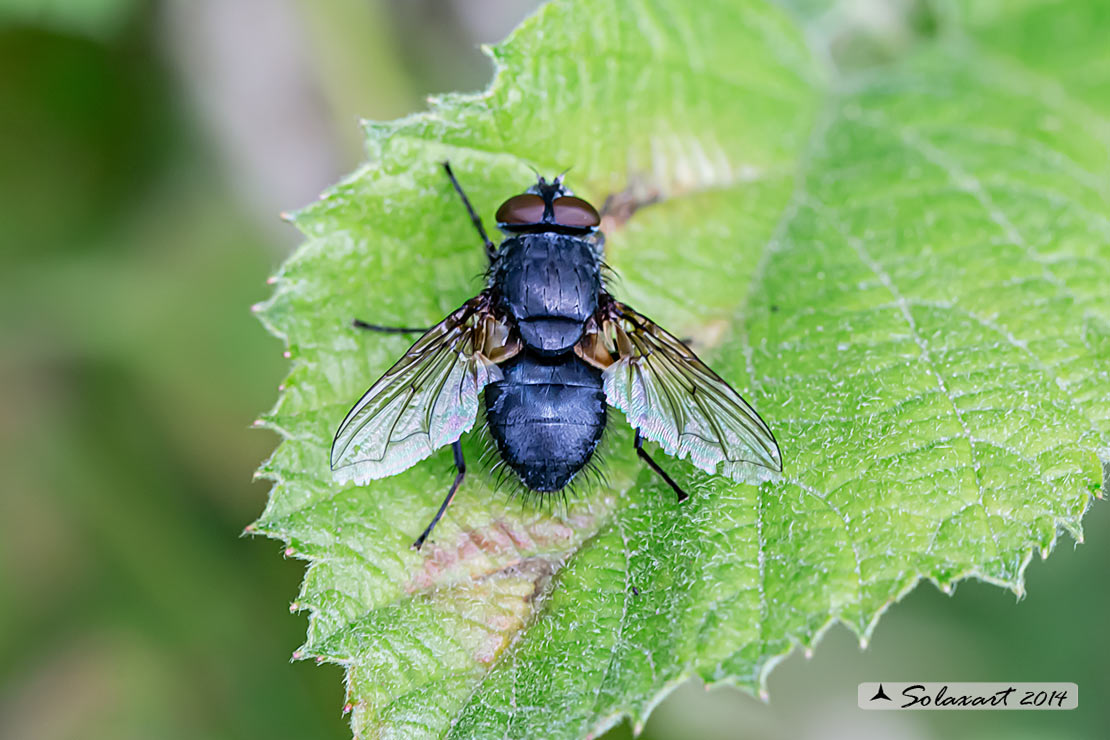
546	417
549	284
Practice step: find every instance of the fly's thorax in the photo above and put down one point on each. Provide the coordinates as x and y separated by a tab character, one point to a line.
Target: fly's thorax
549	284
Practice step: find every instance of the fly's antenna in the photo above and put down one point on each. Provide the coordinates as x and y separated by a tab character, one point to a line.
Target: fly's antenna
559	177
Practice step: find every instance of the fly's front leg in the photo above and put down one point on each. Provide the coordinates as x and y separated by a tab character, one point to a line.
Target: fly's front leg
491	249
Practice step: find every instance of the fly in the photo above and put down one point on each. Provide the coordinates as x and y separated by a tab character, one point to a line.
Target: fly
550	350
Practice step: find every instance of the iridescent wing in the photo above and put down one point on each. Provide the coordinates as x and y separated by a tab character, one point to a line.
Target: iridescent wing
673	398
428	399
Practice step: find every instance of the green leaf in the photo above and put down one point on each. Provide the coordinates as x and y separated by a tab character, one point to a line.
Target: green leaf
900	262
96	18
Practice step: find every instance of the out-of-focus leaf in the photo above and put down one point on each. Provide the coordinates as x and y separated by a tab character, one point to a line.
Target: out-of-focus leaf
98	18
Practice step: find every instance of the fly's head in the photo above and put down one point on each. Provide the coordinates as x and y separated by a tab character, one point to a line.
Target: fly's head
548	206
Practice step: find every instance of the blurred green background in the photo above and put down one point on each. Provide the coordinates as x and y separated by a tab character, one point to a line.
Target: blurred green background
146	149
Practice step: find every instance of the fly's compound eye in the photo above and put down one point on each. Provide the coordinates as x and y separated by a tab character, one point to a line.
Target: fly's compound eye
521	209
575	212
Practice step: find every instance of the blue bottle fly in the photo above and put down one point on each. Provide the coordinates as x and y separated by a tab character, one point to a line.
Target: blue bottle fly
551	350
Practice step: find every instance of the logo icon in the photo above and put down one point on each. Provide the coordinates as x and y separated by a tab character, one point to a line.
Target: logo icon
880	694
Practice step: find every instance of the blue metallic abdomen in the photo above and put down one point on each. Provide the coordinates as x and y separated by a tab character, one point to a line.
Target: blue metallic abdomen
546	416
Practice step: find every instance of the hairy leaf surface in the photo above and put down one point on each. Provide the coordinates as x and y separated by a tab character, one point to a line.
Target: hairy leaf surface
900	263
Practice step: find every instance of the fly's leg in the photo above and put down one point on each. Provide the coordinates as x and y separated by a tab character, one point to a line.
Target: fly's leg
682	495
460	465
360	324
491	249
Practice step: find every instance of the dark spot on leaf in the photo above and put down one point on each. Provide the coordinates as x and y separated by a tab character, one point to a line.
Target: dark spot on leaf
619	207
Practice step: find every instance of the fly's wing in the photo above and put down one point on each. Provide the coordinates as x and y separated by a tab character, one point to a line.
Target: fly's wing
425	401
673	398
